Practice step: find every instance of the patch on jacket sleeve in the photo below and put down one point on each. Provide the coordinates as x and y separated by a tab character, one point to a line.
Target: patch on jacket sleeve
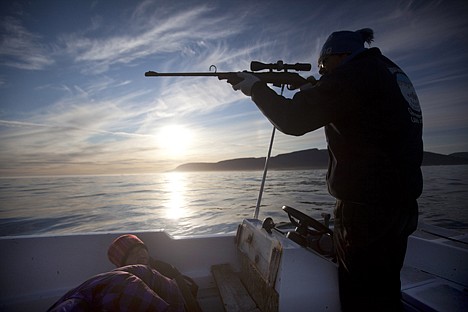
409	93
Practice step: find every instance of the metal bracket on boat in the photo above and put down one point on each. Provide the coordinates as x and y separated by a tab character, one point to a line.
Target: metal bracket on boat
326	219
268	225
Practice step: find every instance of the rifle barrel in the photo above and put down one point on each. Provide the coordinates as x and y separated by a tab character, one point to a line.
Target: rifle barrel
293	80
156	74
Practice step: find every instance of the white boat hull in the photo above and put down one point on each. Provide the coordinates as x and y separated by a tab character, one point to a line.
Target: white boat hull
37	270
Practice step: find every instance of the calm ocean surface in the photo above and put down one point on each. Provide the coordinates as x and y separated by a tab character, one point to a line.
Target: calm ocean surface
195	203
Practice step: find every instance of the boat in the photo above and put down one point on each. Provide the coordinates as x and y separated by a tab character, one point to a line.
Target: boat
263	267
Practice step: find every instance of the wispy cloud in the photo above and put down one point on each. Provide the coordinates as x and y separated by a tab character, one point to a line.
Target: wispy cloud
148	34
21	48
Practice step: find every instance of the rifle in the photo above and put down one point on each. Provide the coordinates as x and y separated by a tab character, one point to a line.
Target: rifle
278	79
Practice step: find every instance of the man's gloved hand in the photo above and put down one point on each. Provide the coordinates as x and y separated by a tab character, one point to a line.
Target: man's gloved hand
246	84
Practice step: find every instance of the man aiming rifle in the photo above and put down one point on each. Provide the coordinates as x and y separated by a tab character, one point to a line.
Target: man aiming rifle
373	125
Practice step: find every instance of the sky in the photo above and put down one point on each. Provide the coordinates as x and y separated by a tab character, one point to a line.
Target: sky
74	98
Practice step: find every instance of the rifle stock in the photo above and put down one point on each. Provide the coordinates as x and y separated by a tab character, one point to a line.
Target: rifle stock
292	80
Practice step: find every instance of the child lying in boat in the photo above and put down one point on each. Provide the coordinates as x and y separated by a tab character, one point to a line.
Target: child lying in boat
128	249
129	288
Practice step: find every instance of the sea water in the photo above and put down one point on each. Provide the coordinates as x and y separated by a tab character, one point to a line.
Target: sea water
196	202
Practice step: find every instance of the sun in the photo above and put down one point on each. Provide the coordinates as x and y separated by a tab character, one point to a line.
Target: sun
175	139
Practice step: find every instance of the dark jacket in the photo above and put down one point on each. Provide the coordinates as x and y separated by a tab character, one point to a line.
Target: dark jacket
170	271
373	125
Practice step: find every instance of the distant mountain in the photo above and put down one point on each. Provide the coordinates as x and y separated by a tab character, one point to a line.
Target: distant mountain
433	159
461	154
305	159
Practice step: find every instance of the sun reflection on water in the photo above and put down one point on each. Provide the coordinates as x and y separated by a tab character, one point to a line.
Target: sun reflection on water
175	188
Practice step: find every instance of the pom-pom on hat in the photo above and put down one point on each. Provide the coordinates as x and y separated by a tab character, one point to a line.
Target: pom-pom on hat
346	42
120	248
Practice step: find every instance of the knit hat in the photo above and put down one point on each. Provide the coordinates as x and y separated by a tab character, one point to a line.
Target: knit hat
346	42
120	248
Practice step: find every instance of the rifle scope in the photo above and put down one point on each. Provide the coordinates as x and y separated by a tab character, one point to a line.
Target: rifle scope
279	66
